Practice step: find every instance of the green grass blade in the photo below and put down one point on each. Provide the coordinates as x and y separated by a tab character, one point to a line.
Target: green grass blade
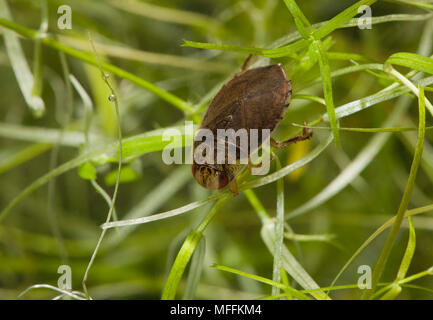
412	60
390	92
393	290
257	205
367	130
279	233
43	135
364	158
353	23
346	56
285	281
340	19
271	53
290	49
75	295
409	85
19	65
381	263
393	293
290	264
188	247
325	72
87	103
289	168
303	25
416	4
264	280
37	59
166	214
195	271
111	209
375	234
310	98
408	255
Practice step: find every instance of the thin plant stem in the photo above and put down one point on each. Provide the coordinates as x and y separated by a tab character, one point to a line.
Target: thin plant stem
113	98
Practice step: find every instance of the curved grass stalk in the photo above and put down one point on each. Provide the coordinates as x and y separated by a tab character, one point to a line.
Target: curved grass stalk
77	295
152	201
166	214
410	85
366	130
381	263
113	98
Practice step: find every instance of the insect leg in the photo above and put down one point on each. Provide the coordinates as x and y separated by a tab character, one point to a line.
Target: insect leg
245	64
252	165
307	133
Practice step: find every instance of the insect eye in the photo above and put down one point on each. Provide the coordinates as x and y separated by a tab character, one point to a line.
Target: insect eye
204	170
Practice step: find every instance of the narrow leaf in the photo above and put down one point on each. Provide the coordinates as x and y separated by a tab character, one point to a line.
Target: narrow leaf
412	60
325	72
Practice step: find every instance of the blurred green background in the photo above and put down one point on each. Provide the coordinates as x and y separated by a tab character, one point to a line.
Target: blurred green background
59	223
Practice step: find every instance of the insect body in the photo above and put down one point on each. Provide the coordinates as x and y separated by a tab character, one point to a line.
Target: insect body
253	99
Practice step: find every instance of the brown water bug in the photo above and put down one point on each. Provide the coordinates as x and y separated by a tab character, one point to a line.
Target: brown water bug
256	98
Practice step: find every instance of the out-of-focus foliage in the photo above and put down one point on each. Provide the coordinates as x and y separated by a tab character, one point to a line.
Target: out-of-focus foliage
355	186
